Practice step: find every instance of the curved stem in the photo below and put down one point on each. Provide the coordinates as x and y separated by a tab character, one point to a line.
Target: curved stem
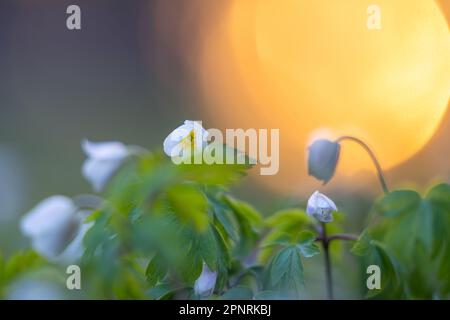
328	274
372	156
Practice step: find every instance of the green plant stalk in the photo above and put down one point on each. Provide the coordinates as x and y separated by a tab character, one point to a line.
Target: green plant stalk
328	273
372	156
325	240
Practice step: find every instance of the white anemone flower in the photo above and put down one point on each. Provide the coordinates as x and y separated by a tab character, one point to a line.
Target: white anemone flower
206	282
104	159
55	227
187	137
320	207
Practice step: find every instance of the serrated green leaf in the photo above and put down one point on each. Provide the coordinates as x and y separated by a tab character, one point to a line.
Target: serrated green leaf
306	244
286	271
398	202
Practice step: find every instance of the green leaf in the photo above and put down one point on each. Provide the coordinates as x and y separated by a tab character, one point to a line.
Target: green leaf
162	291
306	244
129	284
191	267
215	174
244	210
268	295
286	271
398	202
93	216
156	270
206	245
226	218
289	217
424	225
284	227
189	204
414	221
19	263
238	293
223	259
374	252
363	246
390	278
440	194
248	220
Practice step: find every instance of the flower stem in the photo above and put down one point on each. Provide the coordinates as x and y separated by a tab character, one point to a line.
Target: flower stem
328	274
372	156
325	240
340	236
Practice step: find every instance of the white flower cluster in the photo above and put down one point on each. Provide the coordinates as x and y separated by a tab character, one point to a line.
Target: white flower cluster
57	225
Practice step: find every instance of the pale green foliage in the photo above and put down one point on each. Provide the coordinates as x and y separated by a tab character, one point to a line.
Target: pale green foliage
160	222
411	243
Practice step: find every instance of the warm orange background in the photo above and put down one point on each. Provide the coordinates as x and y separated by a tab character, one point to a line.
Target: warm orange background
309	66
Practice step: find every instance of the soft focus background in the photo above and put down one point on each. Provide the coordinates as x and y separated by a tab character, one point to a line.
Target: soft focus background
137	69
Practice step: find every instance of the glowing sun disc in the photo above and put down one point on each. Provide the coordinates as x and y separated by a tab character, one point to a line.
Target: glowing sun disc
308	66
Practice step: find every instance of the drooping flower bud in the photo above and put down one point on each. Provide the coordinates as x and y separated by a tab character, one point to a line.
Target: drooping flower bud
323	158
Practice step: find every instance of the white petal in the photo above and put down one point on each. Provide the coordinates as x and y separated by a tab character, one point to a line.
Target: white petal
51	245
105	150
48	215
51	225
172	145
174	138
98	172
75	249
201	137
311	206
324	202
201	134
205	284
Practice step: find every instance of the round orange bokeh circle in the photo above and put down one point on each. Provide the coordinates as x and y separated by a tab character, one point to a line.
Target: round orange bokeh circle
313	68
